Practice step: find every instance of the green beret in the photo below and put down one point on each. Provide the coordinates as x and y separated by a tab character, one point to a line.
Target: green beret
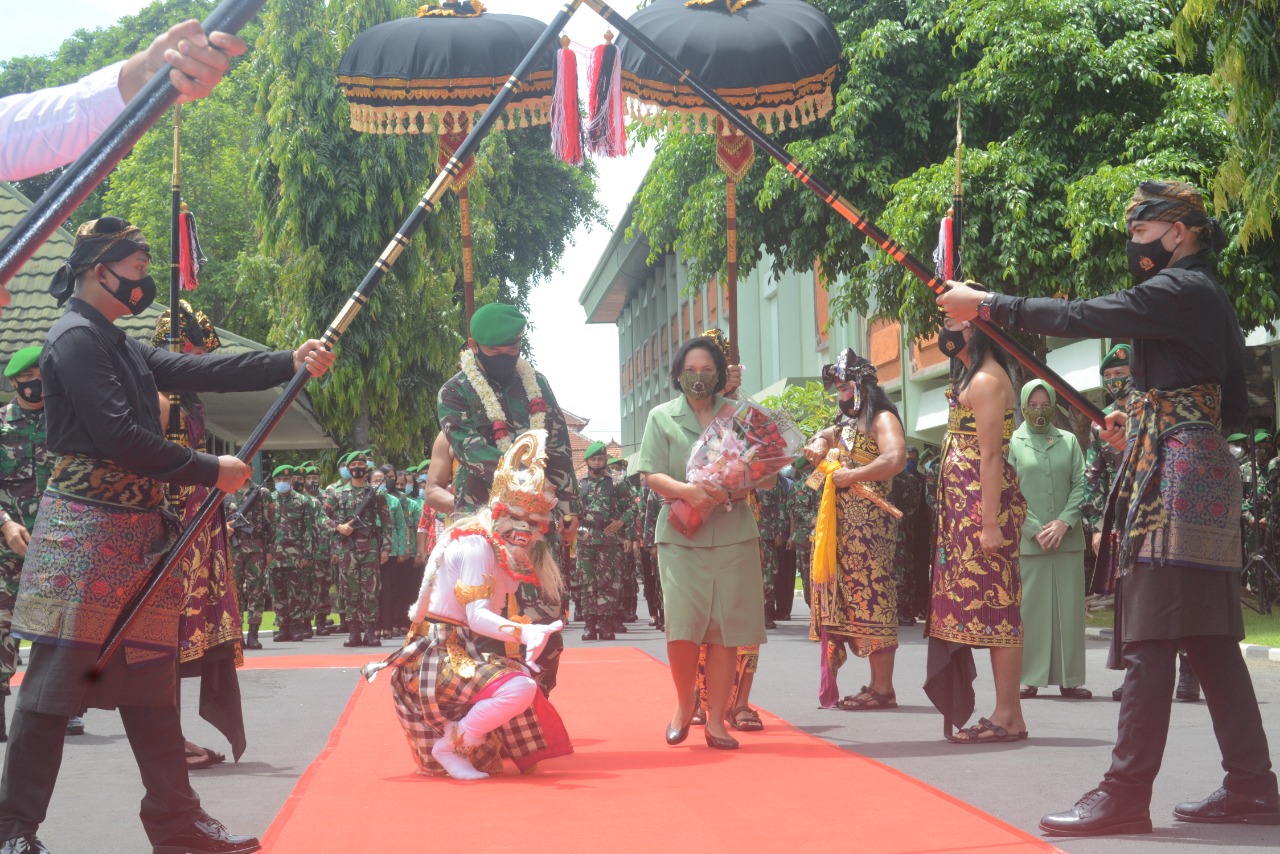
358	453
1237	437
309	468
27	357
1117	357
613	461
425	464
282	471
1261	436
592	449
497	324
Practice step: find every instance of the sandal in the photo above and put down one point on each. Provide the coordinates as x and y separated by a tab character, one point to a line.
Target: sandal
868	699
699	717
1026	692
199	758
745	720
978	734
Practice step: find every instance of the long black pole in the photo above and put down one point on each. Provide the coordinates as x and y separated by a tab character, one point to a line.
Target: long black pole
337	328
174	427
80	178
843	207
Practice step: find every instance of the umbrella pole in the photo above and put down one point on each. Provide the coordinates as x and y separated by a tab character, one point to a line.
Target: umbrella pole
731	266
57	203
333	334
843	207
468	267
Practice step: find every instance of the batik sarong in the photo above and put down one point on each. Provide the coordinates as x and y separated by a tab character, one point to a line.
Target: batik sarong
975	596
857	605
437	677
99	530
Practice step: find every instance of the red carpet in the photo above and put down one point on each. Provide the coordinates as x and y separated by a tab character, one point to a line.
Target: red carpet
624	790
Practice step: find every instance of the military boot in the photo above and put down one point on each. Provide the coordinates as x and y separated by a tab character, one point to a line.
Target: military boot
302	630
282	632
252	641
618	625
604	627
371	638
322	626
591	632
356	638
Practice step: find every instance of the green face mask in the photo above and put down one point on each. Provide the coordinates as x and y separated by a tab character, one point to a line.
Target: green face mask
1038	417
697	386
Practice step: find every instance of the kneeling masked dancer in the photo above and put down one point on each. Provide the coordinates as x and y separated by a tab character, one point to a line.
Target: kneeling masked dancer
464	695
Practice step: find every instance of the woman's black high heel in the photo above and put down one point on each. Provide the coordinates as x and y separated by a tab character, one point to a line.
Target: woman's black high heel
718	743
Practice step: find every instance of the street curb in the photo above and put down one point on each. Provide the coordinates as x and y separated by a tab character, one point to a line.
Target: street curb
1250	650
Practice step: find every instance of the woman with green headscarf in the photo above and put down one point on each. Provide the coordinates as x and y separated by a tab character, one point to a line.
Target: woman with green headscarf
1050	467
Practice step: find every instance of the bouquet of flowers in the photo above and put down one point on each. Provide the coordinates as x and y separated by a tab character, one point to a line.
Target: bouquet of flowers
737	450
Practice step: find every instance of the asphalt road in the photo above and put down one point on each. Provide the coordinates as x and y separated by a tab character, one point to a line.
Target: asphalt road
290	713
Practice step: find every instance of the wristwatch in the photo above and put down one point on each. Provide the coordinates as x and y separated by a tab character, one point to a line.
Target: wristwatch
5	518
984	307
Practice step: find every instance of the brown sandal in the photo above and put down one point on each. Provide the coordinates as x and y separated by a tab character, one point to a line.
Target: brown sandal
977	734
199	758
745	720
868	700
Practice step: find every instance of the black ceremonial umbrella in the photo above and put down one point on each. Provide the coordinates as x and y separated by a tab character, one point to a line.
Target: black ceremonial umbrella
774	61
435	74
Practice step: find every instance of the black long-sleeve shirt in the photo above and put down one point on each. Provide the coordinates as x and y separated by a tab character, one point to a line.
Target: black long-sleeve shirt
101	394
1184	329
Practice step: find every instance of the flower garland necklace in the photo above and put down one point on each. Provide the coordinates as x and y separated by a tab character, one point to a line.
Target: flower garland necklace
493	407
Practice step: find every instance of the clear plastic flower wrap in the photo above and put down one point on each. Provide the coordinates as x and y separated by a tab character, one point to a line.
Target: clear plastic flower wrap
738	450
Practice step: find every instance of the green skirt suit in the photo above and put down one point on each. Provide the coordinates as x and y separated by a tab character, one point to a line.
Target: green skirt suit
712	586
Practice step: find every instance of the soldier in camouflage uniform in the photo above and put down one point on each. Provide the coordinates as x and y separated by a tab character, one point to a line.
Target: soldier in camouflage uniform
249	532
630	579
290	540
482	408
360	547
771	517
319	569
24	470
650	505
802	516
599	549
1101	461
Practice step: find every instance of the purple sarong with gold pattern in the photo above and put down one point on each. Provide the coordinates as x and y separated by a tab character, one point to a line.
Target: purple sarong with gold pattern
976	597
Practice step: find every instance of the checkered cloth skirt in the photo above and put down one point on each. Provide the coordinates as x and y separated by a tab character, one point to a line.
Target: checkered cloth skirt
438	677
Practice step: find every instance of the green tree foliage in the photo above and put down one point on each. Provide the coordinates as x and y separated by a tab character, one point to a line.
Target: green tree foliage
1067	106
810	407
1242	39
331	198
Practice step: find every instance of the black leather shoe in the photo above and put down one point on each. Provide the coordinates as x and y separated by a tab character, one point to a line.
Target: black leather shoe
675	736
1098	814
1078	692
28	844
1223	807
720	743
206	835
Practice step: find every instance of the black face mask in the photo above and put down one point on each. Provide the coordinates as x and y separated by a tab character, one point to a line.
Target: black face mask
1146	259
134	294
951	343
853	405
32	391
500	367
358	473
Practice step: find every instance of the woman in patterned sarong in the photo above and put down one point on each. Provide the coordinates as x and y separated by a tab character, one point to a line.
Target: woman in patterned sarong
977	590
852	584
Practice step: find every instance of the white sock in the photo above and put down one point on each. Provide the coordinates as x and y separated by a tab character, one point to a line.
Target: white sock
454	763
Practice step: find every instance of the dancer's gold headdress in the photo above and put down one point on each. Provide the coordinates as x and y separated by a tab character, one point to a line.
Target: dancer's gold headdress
521	479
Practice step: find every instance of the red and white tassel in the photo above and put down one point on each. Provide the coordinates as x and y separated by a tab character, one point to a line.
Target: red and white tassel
606	122
190	256
566	122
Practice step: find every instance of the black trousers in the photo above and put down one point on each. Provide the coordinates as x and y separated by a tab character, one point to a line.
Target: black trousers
650	582
784	584
1150	671
34	756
